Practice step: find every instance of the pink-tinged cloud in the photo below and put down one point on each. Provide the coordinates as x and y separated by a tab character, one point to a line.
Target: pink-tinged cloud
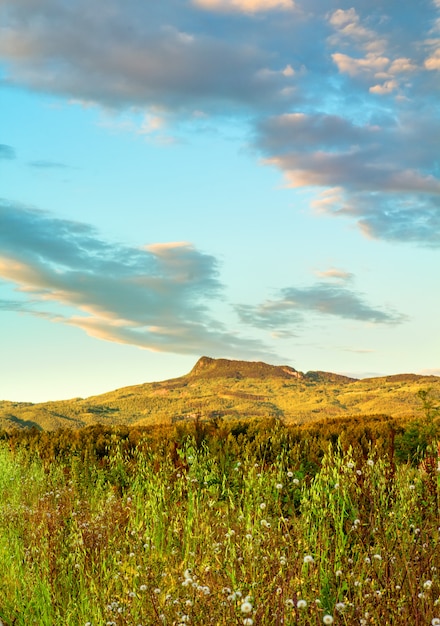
245	6
156	297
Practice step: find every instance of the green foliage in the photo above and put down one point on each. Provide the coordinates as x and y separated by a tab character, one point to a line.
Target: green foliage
199	522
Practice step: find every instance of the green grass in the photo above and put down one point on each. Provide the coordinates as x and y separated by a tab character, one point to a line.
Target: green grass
197	534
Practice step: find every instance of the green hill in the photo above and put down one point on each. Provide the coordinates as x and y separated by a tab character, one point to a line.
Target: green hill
225	389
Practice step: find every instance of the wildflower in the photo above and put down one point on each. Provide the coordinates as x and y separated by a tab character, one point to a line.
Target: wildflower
283	560
427	584
301	604
265	523
248	621
435	621
295	481
289	603
308	559
377	557
340	606
262	506
289	474
327	619
370	462
338	573
279	486
143	588
156	591
246	607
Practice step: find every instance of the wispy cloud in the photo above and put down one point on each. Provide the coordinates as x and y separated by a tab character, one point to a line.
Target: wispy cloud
155	297
246	6
49	165
294	305
6	152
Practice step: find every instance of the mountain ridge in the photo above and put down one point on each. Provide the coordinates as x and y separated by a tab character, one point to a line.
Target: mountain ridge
230	389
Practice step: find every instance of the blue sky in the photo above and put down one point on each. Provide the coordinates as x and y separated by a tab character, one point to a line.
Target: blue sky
252	179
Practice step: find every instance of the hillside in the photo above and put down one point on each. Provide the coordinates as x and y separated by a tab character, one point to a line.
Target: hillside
225	389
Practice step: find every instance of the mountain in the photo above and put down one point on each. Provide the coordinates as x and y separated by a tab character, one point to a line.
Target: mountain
227	389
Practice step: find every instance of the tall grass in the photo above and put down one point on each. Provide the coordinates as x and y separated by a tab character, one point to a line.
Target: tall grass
203	536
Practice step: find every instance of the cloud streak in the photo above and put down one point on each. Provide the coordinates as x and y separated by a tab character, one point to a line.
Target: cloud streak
6	152
156	297
295	305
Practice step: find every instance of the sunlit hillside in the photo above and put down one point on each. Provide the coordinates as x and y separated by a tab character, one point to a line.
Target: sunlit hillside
224	389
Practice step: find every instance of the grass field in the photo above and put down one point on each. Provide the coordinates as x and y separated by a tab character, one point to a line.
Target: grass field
191	533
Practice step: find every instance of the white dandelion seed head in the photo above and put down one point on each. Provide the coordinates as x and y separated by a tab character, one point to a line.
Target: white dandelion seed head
246	607
301	604
309	559
327	619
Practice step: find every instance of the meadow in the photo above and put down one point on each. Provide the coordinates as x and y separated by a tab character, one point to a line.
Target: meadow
244	524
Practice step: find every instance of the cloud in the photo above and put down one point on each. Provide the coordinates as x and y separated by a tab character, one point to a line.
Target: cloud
6	152
433	61
139	55
246	6
294	306
42	164
367	171
343	99
336	274
156	297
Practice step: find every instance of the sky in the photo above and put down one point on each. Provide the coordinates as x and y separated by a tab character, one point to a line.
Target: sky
245	179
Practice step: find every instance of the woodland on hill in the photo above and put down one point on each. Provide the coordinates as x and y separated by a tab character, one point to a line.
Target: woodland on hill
220	389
